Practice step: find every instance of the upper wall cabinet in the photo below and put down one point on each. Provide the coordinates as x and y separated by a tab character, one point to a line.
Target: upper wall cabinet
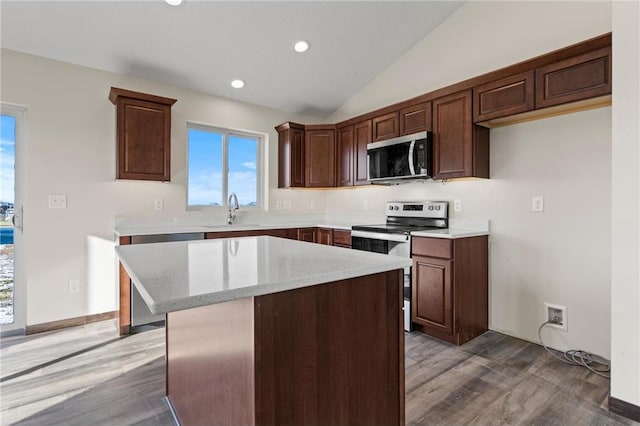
291	155
351	159
143	129
508	96
320	156
416	118
460	148
385	126
574	79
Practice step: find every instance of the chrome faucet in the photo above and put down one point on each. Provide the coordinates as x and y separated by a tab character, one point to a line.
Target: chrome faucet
233	206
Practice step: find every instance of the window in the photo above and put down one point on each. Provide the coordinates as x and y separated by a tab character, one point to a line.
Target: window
223	161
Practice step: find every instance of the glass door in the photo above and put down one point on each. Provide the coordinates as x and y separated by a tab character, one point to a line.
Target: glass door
12	303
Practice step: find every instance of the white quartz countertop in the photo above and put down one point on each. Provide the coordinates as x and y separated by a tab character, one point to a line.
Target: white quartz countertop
450	233
181	275
124	231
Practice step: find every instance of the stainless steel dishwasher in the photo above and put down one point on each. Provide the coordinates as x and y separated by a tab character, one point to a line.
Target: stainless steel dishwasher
140	313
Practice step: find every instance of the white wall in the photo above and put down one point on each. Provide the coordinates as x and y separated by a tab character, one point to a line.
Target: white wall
70	149
561	256
625	283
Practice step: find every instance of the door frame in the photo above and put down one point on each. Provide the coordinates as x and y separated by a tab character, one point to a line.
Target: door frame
20	270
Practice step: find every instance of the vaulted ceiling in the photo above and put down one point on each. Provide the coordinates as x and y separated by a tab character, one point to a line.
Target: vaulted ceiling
203	45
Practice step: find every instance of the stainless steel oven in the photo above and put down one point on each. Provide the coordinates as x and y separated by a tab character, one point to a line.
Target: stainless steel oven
394	236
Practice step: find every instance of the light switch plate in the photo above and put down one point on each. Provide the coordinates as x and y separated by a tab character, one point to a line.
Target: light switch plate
57	201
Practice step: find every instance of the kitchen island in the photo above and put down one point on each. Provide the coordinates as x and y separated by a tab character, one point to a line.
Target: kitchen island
264	330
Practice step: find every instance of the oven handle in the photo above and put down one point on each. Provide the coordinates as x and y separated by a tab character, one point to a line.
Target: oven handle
400	238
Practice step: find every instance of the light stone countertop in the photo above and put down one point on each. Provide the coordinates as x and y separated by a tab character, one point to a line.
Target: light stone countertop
181	275
123	231
450	233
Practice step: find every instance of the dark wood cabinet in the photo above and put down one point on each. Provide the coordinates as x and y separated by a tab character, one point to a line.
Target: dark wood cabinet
320	157
342	238
351	160
504	97
324	236
291	157
307	234
574	79
143	132
345	157
385	126
450	287
460	148
416	118
362	134
433	304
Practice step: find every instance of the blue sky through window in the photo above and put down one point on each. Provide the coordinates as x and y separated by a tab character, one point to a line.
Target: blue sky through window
7	157
206	167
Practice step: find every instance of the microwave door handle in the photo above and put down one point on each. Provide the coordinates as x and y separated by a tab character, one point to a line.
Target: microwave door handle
412	168
368	175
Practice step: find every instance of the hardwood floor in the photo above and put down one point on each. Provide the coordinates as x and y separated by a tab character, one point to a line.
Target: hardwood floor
88	375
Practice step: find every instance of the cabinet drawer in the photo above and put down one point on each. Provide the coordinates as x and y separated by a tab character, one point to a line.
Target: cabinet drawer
432	247
341	238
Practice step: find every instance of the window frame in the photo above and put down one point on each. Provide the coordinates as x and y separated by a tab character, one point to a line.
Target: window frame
261	167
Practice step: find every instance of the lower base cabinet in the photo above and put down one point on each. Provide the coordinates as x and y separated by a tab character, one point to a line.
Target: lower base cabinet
317	355
450	287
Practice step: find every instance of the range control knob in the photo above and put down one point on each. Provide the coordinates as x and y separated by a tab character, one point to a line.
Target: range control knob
390	207
430	207
437	207
396	208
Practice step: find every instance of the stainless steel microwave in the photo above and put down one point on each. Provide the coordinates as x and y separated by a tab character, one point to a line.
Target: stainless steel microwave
398	159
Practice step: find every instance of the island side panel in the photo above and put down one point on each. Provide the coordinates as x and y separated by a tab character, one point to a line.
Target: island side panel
332	354
210	364
124	284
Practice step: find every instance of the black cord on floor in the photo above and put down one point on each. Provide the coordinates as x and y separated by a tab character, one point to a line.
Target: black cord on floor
596	364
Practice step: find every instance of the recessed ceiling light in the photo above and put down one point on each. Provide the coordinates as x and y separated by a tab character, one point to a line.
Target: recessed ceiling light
237	84
301	46
174	2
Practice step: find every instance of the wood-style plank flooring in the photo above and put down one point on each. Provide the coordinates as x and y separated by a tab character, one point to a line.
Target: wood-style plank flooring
89	376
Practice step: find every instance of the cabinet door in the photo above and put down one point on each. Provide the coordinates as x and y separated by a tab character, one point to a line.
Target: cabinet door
307	234
324	236
144	140
345	156
341	238
574	79
385	127
452	142
416	118
320	149
290	155
362	133
501	98
432	298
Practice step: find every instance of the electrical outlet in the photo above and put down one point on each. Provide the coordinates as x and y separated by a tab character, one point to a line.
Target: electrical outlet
279	205
457	205
537	203
57	201
365	205
287	204
74	286
557	316
158	205
313	204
